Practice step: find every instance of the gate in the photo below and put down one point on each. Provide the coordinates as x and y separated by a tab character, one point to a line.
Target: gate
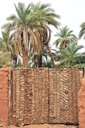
29	96
43	95
63	88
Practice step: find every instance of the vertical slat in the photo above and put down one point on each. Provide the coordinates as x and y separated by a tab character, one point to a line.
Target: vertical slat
14	95
22	93
36	96
28	97
10	97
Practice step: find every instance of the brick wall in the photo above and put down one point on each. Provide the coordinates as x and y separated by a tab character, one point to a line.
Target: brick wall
81	104
4	72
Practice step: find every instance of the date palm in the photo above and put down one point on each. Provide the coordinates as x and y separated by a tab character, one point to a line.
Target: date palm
65	36
82	31
8	45
20	26
45	17
31	24
69	56
5	59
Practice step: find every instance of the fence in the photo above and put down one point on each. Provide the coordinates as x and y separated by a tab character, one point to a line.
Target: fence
44	96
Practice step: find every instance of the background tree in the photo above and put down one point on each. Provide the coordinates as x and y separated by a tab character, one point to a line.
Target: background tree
65	36
8	46
5	59
82	31
69	56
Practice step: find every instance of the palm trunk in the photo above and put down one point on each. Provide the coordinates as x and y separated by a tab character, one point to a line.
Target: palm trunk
40	61
25	57
24	42
25	47
52	58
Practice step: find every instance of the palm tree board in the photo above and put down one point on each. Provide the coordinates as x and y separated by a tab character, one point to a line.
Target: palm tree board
63	87
43	95
30	96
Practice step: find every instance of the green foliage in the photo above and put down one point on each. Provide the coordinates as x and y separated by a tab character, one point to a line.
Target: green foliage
30	28
69	57
28	34
82	31
65	36
5	59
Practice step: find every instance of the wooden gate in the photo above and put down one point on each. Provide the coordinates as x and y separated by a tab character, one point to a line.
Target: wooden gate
63	88
44	95
29	96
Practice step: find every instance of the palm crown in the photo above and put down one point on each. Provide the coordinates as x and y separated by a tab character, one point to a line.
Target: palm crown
69	56
31	24
82	31
65	36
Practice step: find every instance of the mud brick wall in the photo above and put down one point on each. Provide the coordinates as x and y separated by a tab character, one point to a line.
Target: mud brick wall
4	97
81	104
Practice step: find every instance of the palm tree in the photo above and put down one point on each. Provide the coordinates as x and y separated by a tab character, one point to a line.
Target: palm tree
82	31
69	56
20	26
29	21
65	36
8	45
45	16
5	59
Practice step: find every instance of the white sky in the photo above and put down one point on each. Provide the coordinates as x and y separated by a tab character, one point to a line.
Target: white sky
71	12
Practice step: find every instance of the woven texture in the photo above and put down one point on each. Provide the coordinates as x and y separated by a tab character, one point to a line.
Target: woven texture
44	95
63	88
30	96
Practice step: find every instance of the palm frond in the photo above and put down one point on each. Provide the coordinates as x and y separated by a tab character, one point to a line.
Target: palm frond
82	31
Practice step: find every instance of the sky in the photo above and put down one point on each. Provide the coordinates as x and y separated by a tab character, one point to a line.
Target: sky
71	12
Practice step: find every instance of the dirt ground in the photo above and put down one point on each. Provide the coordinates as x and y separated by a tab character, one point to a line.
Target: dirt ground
41	126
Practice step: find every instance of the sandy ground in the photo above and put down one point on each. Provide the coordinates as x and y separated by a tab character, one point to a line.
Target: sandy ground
41	126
